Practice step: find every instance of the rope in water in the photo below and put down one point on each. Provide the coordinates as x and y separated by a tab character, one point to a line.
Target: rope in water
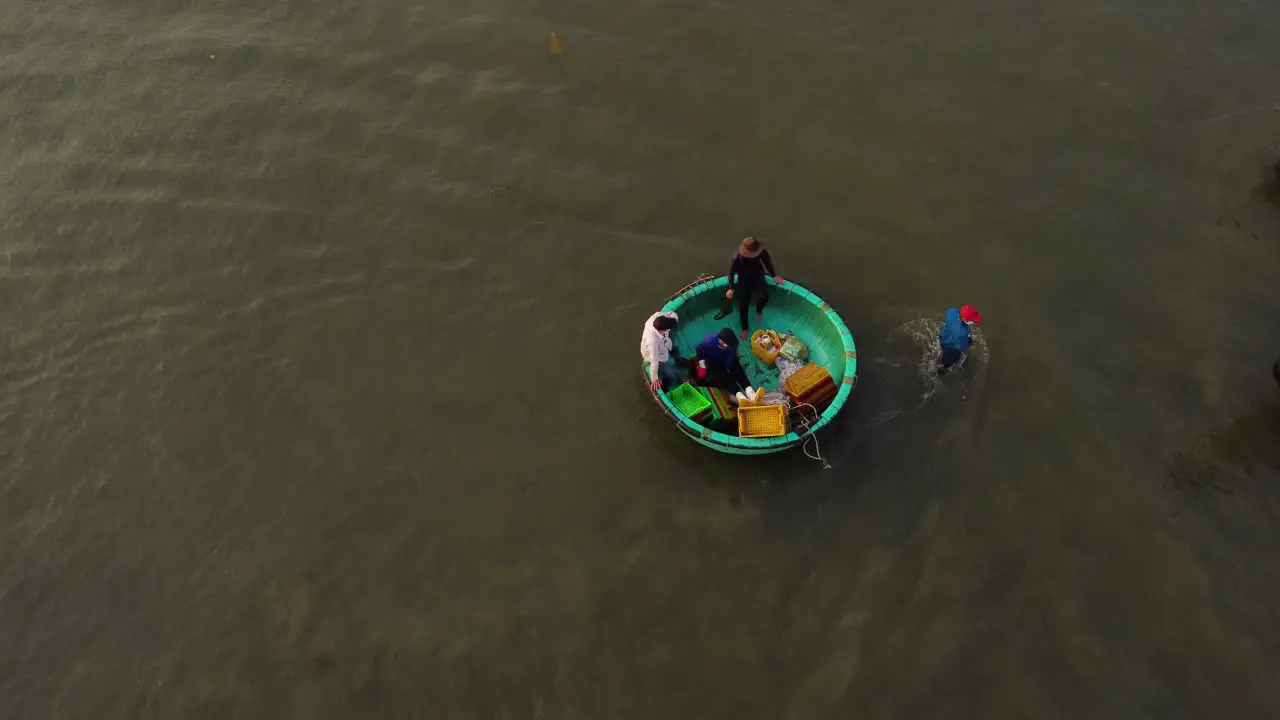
810	435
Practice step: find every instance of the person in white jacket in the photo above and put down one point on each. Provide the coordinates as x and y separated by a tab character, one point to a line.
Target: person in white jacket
656	348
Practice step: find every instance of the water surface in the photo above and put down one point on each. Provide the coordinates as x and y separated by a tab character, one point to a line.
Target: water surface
320	338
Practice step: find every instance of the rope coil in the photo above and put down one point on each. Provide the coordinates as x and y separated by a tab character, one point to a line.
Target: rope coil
809	434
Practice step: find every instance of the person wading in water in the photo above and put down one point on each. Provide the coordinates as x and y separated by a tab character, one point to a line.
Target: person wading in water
747	273
954	338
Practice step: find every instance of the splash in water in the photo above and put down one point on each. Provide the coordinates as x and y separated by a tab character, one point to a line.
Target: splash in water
920	338
923	333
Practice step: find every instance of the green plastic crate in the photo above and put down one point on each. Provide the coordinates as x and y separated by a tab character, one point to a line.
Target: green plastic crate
688	400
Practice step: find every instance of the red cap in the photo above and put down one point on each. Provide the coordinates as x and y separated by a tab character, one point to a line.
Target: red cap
969	313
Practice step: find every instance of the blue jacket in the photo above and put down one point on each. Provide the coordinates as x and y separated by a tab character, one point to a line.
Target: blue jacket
709	349
954	333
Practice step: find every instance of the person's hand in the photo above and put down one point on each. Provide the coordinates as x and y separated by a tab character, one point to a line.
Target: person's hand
729	293
655	384
778	279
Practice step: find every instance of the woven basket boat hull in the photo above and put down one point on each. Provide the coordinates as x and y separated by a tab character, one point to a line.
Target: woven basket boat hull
791	308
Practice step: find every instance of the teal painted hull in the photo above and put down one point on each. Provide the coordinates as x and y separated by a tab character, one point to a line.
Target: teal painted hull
791	308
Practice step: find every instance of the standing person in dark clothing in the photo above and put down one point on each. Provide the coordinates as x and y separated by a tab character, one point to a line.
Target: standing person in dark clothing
747	273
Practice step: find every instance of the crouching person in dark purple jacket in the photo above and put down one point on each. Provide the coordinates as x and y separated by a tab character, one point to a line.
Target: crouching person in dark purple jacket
717	362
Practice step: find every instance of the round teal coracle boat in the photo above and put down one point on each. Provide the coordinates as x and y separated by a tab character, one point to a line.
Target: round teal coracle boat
791	309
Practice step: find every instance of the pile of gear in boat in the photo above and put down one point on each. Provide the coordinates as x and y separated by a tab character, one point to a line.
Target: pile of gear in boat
719	395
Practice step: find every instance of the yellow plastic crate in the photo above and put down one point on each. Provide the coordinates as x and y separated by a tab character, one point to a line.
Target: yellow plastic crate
806	379
762	421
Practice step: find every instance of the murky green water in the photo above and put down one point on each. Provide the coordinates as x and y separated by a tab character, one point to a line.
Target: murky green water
320	337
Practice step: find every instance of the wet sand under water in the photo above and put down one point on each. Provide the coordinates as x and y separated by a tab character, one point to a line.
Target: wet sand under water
321	328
